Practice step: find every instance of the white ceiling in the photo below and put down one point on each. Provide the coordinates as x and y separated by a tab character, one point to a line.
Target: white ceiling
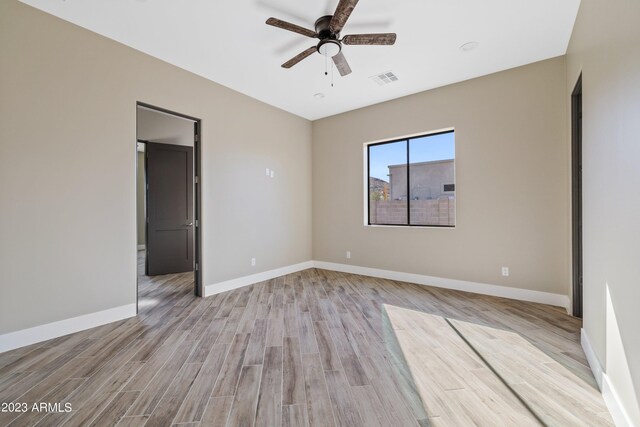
229	43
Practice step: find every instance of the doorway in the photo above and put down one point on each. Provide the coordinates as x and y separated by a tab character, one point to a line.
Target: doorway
576	196
168	205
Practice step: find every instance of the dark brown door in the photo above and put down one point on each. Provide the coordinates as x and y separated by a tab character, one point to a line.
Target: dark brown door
169	170
576	196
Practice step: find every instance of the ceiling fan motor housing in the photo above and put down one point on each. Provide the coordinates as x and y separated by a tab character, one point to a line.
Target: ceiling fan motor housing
329	44
322	28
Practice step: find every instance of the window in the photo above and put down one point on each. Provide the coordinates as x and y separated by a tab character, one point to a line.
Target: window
412	181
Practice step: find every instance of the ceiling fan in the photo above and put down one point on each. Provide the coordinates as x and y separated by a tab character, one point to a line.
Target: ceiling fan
327	29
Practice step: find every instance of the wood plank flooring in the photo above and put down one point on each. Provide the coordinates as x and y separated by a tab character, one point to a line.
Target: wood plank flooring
314	348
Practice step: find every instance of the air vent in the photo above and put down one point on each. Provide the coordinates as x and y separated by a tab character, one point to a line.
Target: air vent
384	78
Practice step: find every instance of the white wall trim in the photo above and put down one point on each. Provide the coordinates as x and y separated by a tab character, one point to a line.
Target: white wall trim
239	282
614	404
460	285
594	363
60	328
36	334
609	394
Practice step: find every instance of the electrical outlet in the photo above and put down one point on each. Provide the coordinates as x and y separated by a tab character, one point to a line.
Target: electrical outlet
505	271
348	254
271	173
253	262
268	172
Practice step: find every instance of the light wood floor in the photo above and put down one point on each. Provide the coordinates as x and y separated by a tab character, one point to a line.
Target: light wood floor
308	349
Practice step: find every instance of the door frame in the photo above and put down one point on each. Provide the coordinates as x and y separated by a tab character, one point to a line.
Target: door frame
198	288
577	263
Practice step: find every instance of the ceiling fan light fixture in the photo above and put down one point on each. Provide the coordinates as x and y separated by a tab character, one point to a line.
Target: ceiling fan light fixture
329	48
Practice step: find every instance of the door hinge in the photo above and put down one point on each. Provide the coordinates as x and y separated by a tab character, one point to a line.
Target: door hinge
147	186
197	266
196	137
196	222
195	179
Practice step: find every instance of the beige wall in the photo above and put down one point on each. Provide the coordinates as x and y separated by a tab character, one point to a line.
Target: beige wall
140	204
511	182
68	165
606	46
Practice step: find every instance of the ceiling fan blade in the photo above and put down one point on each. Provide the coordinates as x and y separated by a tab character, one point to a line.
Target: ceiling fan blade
299	57
342	13
341	64
290	27
370	39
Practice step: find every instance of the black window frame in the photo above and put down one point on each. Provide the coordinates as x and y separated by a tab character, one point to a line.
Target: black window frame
368	188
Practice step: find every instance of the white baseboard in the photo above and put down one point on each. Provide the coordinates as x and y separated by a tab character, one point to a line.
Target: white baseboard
60	328
56	329
594	363
141	247
613	402
229	285
460	285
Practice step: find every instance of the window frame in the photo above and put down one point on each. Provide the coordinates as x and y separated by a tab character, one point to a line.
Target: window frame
407	138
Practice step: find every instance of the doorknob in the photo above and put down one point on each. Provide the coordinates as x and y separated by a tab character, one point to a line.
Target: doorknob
189	225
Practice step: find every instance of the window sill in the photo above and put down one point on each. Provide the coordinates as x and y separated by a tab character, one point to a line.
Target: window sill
445	227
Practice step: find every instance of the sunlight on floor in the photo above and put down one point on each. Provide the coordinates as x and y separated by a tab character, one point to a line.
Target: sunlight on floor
458	388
